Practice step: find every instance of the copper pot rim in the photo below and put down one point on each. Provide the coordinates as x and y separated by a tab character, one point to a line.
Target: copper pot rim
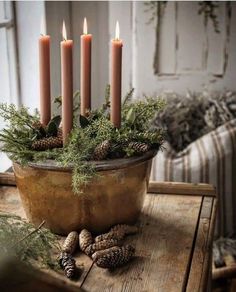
103	165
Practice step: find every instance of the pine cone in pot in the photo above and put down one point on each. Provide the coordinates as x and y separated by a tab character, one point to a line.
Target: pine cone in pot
102	150
139	147
47	143
37	125
39	129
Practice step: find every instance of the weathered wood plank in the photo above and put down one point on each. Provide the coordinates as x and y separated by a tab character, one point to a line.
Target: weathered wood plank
201	246
225	272
16	276
206	208
208	255
10	201
7	179
181	188
163	248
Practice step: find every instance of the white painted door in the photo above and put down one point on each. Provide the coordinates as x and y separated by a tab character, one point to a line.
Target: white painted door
190	56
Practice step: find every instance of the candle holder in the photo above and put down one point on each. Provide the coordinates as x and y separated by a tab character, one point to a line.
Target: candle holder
95	180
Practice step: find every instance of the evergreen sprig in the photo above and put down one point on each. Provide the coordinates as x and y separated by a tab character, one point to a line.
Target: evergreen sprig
95	128
18	136
39	247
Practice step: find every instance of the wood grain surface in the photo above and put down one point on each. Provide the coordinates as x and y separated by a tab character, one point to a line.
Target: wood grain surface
7	179
173	246
162	248
181	188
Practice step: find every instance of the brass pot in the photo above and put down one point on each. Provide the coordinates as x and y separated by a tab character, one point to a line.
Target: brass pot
115	196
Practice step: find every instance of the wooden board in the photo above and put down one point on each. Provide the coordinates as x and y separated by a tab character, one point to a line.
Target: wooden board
173	247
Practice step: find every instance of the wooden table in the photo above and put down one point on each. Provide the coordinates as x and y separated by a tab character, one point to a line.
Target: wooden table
173	247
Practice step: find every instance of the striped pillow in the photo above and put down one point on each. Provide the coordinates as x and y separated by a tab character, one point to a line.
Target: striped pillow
210	159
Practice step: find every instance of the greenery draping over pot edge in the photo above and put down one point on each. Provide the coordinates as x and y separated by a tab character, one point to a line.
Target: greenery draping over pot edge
24	137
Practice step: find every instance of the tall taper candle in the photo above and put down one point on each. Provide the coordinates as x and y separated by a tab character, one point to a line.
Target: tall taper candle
116	74
44	79
66	84
85	70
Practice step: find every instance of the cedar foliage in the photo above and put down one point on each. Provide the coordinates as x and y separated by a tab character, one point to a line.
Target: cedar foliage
91	132
37	247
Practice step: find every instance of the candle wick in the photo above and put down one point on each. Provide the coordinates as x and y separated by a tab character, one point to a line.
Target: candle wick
42	34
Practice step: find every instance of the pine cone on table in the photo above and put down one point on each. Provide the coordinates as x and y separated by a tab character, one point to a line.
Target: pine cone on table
85	239
114	257
139	147
104	244
71	242
100	253
101	151
67	263
47	143
117	232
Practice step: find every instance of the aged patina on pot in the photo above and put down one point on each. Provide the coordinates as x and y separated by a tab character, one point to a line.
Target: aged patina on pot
115	196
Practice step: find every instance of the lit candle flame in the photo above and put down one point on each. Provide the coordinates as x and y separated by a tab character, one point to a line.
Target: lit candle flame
43	26
85	28
117	31
64	35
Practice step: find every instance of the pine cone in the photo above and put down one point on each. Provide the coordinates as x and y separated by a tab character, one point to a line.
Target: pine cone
37	125
67	263
100	253
59	133
139	147
104	244
47	143
116	257
101	151
85	239
117	232
71	242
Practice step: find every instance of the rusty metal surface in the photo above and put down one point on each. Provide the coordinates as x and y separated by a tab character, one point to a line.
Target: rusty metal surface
115	196
109	164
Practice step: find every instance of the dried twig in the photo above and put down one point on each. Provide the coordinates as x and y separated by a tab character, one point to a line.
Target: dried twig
90	268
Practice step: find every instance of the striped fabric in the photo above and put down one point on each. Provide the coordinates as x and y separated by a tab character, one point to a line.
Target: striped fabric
210	159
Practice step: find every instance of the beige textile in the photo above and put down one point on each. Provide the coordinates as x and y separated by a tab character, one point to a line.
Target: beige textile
210	159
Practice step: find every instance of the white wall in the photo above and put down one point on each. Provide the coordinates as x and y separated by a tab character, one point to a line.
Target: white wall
8	69
56	12
190	55
28	19
98	25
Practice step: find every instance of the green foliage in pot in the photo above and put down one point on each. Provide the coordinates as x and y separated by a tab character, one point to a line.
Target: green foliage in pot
93	137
